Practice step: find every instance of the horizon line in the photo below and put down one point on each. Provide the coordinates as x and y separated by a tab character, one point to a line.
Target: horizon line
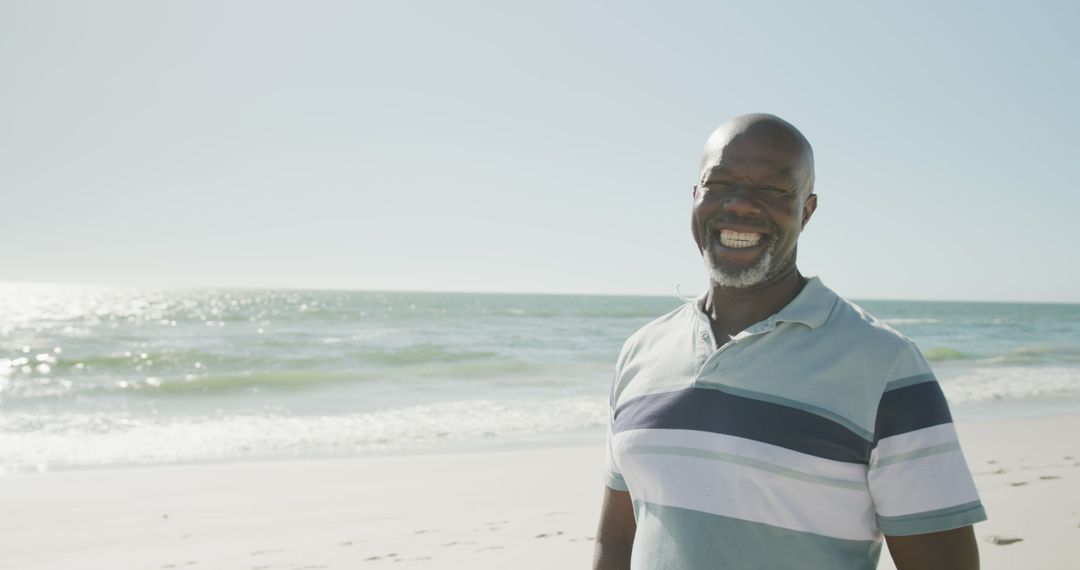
674	294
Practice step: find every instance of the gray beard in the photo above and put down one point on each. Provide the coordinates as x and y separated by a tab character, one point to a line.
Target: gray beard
753	275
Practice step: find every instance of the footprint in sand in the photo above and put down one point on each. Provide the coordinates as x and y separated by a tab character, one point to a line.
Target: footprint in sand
260	552
458	542
380	557
1003	540
1018	484
488	548
426	531
549	534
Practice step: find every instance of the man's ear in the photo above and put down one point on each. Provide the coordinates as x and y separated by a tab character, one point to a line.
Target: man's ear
808	209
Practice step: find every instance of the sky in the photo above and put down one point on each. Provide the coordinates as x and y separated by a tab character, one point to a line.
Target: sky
531	147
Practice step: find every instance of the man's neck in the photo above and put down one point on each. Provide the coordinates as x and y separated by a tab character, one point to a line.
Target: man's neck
731	310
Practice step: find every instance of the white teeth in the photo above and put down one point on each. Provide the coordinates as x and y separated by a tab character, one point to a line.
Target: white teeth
730	238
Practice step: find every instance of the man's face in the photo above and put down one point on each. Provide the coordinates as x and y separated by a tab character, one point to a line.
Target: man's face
750	204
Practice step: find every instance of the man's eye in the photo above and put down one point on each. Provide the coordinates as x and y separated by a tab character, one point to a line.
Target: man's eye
780	192
771	191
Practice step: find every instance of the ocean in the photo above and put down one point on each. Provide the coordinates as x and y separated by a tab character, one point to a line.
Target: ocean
102	376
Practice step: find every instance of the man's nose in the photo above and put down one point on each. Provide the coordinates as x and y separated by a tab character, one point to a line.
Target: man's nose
740	200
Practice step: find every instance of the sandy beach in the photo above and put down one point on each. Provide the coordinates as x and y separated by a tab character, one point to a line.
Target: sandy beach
521	509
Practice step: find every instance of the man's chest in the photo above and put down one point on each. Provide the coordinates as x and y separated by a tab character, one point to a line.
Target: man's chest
779	386
710	451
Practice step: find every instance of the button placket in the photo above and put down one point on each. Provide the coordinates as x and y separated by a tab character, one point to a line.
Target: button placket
709	363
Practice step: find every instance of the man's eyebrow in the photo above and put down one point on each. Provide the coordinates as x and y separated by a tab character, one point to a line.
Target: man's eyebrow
781	178
717	172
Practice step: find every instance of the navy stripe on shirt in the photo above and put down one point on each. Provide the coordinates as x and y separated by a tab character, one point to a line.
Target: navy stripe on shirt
911	408
714	411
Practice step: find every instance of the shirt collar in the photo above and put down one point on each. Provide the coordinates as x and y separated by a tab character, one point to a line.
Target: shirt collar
811	307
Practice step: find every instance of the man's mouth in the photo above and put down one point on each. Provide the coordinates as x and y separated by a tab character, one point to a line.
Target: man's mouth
738	240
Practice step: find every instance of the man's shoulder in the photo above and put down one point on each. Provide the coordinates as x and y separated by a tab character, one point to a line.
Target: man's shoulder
831	319
662	351
673	321
853	326
671	327
848	315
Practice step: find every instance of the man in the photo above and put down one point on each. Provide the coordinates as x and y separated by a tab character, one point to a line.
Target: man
769	423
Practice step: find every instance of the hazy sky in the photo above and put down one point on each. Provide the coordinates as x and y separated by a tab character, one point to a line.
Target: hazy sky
491	146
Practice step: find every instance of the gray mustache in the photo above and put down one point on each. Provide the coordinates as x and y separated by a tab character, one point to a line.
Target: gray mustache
762	225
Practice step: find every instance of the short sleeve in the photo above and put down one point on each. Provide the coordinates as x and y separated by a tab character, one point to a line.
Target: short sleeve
612	476
918	477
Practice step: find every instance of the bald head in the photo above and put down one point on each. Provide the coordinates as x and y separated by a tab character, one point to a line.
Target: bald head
753	198
761	141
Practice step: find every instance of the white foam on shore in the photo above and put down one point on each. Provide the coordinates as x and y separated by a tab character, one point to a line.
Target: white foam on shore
37	442
981	384
911	321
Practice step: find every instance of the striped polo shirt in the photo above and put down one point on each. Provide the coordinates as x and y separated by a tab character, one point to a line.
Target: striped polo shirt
795	444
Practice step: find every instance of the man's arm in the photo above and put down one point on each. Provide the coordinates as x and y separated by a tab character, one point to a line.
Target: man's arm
954	549
615	535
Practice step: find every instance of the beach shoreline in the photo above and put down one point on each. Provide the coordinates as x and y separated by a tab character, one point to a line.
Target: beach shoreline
523	508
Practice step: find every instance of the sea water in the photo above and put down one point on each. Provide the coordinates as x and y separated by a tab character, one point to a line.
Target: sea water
100	376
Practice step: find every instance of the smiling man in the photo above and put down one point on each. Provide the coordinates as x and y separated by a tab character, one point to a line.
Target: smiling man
769	423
